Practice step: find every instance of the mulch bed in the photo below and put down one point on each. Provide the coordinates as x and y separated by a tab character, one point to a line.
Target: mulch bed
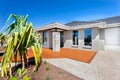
47	71
54	73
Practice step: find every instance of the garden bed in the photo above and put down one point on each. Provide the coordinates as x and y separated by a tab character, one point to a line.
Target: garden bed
47	71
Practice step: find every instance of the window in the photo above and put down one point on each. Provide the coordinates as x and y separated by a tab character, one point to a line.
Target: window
87	37
61	39
44	38
75	37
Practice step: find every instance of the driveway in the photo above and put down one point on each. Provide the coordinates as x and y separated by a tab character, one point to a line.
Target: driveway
104	66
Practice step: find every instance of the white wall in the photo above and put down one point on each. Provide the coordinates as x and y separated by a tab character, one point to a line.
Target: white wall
102	39
95	39
80	38
68	39
50	39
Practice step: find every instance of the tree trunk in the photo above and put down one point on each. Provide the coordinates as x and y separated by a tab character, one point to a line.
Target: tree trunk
24	61
10	71
2	44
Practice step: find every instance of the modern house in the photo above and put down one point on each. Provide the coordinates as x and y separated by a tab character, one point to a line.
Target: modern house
95	35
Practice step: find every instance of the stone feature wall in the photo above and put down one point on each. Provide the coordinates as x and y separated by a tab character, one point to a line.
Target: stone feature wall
56	41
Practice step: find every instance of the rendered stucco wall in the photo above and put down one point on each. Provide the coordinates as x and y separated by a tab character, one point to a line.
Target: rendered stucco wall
80	38
68	39
95	39
102	39
47	46
50	39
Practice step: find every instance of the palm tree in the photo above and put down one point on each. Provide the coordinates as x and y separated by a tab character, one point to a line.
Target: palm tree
22	36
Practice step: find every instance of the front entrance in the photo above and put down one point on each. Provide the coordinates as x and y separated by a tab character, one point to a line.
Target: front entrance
61	39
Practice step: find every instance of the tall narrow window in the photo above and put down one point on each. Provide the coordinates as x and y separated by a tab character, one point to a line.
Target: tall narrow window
88	37
44	38
61	39
75	37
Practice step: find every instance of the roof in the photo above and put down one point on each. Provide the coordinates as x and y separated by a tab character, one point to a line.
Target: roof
109	20
54	25
78	23
74	25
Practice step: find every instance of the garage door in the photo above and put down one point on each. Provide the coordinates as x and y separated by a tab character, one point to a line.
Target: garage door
112	36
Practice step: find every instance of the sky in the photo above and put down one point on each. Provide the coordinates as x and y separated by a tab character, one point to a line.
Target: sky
42	12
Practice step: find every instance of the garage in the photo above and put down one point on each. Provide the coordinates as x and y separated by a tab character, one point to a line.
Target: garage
112	38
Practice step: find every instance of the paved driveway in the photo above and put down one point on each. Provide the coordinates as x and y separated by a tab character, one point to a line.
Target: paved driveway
104	66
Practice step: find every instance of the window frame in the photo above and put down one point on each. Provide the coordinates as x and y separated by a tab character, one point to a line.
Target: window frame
45	36
73	43
89	44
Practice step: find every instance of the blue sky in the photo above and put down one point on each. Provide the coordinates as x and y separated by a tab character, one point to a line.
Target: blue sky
42	12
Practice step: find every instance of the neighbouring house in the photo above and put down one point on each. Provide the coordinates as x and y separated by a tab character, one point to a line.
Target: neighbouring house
95	35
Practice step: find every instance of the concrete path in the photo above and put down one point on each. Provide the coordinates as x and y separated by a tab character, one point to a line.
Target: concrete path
80	69
108	64
105	66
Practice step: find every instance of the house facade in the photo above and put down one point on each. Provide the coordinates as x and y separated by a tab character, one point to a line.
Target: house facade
94	35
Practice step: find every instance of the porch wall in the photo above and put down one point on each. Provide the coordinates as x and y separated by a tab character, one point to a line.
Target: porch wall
68	39
102	39
80	38
95	39
50	39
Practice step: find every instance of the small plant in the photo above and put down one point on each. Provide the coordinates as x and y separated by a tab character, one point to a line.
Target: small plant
47	78
60	72
47	68
20	73
26	78
45	62
13	78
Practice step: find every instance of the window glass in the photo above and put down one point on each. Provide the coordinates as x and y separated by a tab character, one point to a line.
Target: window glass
45	38
75	37
88	37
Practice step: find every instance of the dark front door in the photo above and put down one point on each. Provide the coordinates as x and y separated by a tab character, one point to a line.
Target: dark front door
61	39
